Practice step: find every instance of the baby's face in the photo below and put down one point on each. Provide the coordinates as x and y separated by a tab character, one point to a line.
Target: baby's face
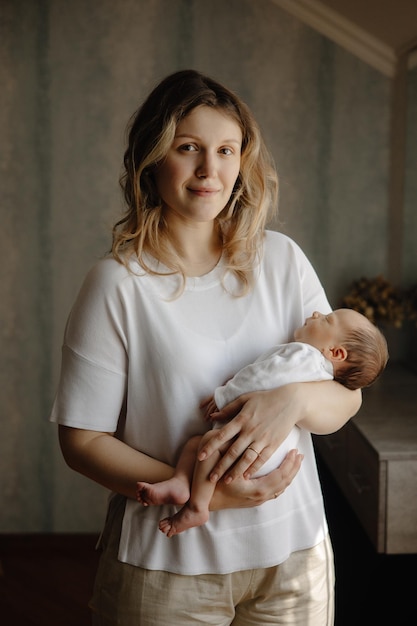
328	331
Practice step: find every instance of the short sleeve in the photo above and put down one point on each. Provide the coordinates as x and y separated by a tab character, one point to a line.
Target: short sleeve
92	382
89	396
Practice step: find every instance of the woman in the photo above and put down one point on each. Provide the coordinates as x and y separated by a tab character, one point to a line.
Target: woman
194	290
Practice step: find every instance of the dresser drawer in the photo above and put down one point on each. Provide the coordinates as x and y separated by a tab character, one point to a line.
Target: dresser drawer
365	486
373	458
401	524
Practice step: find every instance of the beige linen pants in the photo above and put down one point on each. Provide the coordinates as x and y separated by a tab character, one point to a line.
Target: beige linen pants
298	592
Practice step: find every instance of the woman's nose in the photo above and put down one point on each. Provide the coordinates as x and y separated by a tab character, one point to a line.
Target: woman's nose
206	167
315	315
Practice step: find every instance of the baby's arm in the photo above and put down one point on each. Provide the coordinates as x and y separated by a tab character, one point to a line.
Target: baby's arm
208	406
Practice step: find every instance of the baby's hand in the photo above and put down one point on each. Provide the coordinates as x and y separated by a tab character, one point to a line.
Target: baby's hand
208	406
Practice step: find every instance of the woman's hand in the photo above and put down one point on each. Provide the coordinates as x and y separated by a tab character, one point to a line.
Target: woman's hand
261	420
246	493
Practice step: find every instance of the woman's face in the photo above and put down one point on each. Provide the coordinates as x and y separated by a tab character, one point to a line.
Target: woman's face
196	179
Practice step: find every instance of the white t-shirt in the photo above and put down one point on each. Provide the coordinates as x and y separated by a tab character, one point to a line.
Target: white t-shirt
287	363
138	363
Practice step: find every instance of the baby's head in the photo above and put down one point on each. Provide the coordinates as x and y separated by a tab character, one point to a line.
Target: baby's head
357	348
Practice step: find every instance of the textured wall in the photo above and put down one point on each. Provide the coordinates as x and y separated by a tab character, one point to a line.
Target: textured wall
72	73
410	203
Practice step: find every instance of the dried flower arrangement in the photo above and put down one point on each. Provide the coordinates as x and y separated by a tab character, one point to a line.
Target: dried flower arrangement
379	301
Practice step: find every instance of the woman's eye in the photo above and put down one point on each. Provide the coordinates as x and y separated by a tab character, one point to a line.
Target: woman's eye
188	147
226	151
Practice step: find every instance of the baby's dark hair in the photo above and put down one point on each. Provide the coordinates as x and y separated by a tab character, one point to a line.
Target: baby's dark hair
367	356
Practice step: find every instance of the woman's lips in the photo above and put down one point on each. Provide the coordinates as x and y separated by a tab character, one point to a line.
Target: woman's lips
203	191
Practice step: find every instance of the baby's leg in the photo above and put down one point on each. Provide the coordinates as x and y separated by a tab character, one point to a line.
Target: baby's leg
176	490
196	511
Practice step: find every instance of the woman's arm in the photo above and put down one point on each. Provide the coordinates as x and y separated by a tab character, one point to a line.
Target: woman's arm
329	408
263	419
108	461
118	467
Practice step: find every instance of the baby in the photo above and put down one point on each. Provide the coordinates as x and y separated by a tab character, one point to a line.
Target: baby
343	345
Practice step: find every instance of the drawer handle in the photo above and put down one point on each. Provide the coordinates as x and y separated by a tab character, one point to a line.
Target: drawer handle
359	483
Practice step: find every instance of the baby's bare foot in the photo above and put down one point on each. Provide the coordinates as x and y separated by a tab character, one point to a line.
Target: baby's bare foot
173	491
186	518
165	526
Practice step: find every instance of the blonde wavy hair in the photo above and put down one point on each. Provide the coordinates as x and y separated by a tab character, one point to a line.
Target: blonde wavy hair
143	230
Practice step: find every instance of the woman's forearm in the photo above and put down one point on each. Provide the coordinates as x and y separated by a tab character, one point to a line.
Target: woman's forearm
327	406
118	467
108	461
261	420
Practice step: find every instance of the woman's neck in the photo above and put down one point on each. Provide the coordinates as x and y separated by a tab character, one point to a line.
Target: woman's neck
199	247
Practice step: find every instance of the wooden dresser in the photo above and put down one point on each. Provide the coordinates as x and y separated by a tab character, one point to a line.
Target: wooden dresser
374	461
